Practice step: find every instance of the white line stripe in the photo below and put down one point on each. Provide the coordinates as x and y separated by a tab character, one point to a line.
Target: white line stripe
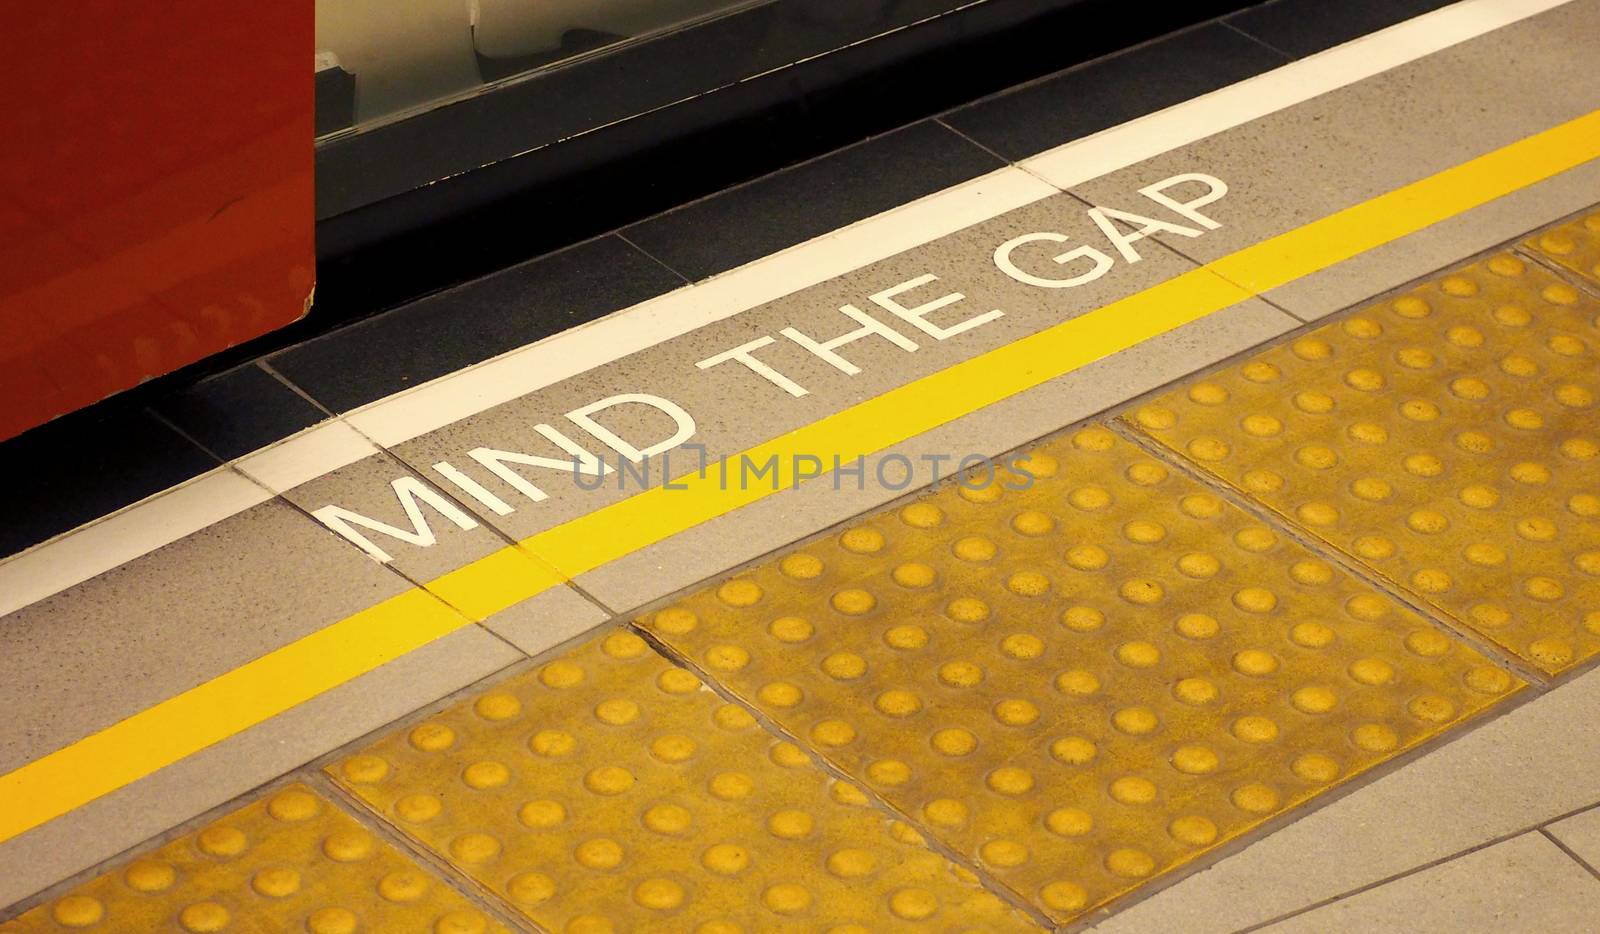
1209	114
166	517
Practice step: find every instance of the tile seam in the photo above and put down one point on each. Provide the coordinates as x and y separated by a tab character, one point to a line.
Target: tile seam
772	729
621	234
1571	854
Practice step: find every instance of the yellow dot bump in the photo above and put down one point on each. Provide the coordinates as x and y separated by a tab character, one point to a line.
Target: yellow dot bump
1028	584
1069	822
405	885
1586	505
1536	529
1431	708
1003	854
1200	506
1512	316
790	629
922	515
348	846
1574	396
731	786
418	808
1130	863
1489	615
1415	358
205	917
1412	307
783	694
608	780
1022	646
1367	607
844	666
553	743
1093	439
960	674
1374	547
1193	830
674	621
954	742
1261	426
1459	286
1487	680
913	904
1375	737
1131	789
560	674
906	637
1195	691
1311	403
1260	371
1551	653
149	875
1255	798
1318	514
658	894
726	859
1010	781
1518	365
1316	457
862	540
1364	379
599	853
501	706
1077	682
293	805
364	770
975	548
897	703
912	574
1311	348
1135	721
481	847
1310	635
833	733
854	601
1310	572
617	711
541	814
1063	896
739	592
1315	767
1087	557
1463	335
1138	654
1588	562
967	610
1363	328
1038	464
1015	712
1082	618
1255	729
671	748
1197	626
1427	643
1195	760
801	566
78	911
1423	465
1073	750
1255	600
1255	539
1557	242
1591	622
1314	699
786	898
851	863
726	657
1368	433
1198	565
531	888
1207	394
1543	589
945	812
732	717
1506	265
1528	473
1524	419
1371	489
1146	473
1141	592
1032	523
1155	417
590	924
1484	554
1208	449
281	883
1371	671
1144	532
1559	293
1432	580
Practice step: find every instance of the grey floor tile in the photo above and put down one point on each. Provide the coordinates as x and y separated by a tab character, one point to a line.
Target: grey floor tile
542	622
1529	766
111	824
1316	158
1581	834
1523	884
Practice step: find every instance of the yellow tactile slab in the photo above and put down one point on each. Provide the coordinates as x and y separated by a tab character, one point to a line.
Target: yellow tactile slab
1449	439
611	791
1575	245
1085	683
291	862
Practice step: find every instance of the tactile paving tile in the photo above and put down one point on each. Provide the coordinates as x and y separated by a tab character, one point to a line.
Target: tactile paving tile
1574	245
1448	439
610	790
1082	684
290	862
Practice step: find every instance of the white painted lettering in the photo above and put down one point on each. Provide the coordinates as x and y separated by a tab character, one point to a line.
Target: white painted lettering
1215	189
410	491
869	326
1099	262
684	423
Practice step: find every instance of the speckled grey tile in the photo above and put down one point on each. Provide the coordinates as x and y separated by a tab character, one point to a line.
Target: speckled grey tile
1581	834
1318	157
1523	884
1512	774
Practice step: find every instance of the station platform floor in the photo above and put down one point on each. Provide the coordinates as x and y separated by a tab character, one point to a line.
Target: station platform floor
1163	497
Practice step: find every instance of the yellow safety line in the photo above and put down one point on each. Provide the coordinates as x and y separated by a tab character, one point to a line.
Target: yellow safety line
236	700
